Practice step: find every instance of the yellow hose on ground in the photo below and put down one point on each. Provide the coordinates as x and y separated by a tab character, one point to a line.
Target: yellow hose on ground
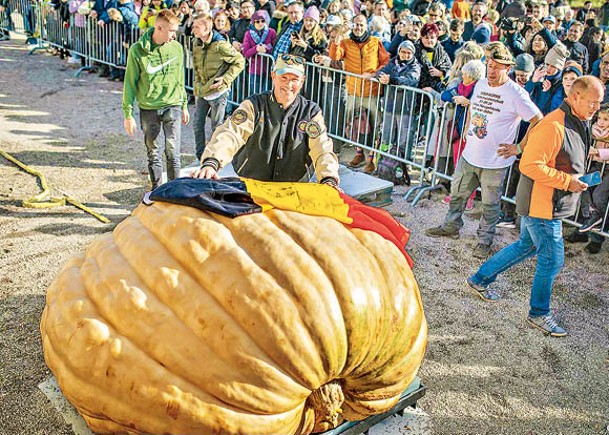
44	198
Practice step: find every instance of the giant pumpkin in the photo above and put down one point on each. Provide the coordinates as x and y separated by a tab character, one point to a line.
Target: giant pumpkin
187	322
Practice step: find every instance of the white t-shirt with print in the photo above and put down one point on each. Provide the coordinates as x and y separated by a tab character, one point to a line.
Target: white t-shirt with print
496	113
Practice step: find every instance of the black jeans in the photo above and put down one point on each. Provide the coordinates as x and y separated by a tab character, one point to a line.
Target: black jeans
169	120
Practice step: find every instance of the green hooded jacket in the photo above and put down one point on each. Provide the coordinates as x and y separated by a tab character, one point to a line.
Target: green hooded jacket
154	76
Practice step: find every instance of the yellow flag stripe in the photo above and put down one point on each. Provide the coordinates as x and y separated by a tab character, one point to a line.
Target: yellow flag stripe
307	198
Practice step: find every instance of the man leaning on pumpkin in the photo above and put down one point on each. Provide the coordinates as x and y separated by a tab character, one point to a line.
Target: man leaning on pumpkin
274	136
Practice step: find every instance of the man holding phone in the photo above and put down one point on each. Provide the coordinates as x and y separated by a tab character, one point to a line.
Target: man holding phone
548	191
288	31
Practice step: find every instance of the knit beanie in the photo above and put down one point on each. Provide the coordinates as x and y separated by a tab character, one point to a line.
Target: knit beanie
524	62
557	56
313	13
574	67
261	14
407	45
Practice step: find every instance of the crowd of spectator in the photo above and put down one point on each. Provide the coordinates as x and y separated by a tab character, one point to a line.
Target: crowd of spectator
436	46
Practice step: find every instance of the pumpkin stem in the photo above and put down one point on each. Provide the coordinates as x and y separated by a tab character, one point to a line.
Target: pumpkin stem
326	402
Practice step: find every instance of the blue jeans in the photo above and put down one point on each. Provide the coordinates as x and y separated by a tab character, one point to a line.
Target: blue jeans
216	110
537	236
169	120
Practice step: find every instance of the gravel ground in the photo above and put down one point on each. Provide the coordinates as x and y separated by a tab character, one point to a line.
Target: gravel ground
486	372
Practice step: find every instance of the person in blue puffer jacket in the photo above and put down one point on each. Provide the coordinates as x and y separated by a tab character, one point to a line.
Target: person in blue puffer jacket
402	70
546	81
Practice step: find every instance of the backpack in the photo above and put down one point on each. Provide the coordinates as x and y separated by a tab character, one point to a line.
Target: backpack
392	170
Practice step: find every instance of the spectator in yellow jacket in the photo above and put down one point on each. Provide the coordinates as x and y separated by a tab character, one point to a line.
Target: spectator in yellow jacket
149	13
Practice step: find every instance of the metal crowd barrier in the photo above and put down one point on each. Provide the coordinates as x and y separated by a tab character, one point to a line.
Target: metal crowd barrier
22	17
385	120
397	122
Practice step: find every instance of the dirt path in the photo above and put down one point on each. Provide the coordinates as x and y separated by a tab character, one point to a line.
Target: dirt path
485	370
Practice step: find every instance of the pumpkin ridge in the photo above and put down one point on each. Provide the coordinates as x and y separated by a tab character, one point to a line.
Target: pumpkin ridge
391	336
115	392
195	213
296	288
265	360
411	350
361	405
130	408
83	388
214	388
383	324
303	231
236	226
66	364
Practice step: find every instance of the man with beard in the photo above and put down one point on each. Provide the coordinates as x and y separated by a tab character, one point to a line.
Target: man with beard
496	108
579	52
364	55
277	135
478	13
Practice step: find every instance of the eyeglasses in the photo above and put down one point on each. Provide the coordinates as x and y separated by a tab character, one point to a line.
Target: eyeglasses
292	60
260	21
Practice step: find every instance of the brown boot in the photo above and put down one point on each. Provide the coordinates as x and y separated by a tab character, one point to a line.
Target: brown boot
357	160
369	168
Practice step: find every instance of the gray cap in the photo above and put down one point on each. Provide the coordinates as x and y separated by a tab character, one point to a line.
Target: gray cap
524	62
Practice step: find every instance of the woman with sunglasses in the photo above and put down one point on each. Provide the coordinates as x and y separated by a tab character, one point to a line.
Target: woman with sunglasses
257	42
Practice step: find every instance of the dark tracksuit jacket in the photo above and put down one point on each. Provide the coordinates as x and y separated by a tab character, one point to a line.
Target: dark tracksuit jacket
578	53
557	148
269	143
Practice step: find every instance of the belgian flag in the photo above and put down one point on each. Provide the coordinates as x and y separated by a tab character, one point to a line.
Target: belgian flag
233	197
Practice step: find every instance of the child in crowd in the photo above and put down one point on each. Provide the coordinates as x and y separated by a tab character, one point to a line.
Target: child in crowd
599	153
377	28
